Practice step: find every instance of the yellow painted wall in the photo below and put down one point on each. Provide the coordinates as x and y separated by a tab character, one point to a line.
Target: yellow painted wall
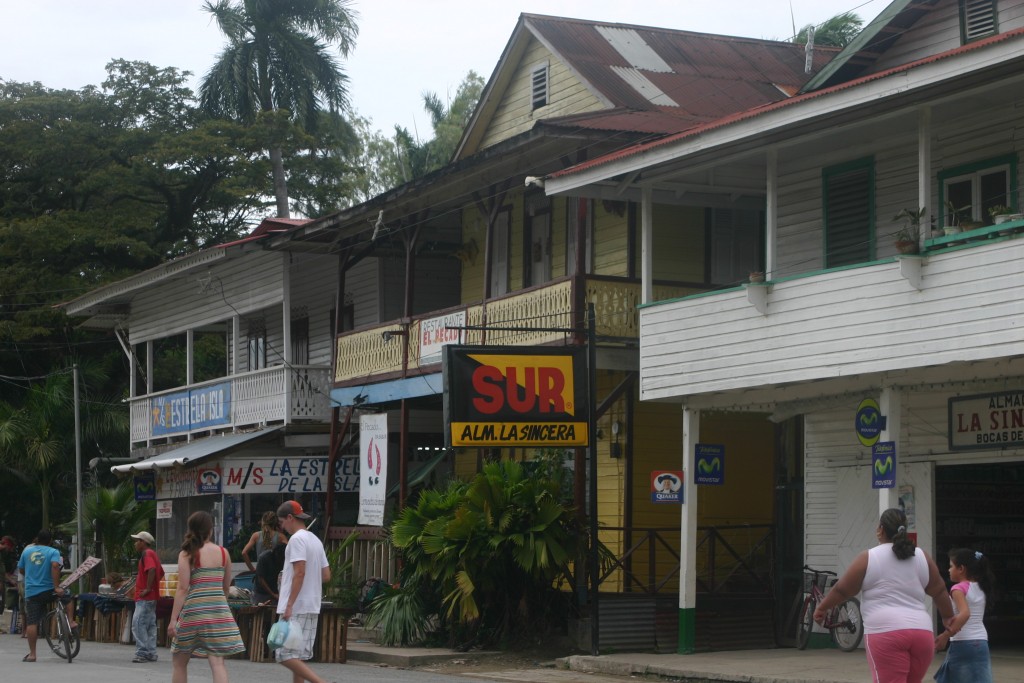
515	113
678	243
747	497
611	235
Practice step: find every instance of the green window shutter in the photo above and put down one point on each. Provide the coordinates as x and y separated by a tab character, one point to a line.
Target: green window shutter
849	199
977	19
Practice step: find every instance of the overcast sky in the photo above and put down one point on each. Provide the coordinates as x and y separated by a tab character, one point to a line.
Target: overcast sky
405	47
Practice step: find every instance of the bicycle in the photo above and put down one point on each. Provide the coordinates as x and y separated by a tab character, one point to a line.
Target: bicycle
56	628
843	621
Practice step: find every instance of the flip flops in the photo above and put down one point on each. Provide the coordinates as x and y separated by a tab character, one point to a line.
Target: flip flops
28	658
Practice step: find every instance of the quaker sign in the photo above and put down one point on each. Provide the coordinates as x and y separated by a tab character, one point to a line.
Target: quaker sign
709	464
515	396
667	486
986	421
290	475
436	333
883	465
182	411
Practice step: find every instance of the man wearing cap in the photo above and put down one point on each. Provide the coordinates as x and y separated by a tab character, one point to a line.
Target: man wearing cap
305	571
147	584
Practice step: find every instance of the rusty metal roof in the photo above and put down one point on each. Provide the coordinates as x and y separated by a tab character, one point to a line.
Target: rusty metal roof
696	77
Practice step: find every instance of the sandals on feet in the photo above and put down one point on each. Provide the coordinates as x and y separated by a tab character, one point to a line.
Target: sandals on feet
28	658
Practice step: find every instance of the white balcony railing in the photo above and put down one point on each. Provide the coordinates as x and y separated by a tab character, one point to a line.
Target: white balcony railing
273	395
961	304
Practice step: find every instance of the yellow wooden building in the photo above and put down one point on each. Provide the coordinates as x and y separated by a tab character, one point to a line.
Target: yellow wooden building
481	242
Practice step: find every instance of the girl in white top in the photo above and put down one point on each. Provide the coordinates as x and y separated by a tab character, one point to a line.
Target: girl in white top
896	578
968	659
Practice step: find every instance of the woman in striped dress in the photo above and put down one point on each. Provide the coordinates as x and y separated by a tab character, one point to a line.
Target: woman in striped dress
201	623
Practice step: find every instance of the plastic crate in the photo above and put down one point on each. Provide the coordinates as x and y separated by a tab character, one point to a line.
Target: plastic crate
246	581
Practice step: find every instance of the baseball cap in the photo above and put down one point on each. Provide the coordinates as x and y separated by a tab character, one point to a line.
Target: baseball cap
145	536
292	507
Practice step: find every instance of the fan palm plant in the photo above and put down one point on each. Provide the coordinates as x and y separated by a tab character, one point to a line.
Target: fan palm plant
278	60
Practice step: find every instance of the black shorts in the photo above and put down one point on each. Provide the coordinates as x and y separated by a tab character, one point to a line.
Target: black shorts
38	605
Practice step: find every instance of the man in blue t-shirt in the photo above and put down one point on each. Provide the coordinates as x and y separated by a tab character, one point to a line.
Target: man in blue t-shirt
40	564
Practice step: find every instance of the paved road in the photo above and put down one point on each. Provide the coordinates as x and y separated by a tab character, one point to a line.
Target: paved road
111	663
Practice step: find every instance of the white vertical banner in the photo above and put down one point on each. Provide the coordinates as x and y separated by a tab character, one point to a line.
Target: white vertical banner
373	480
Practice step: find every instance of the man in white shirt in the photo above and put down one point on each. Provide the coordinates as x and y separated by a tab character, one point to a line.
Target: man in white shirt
305	571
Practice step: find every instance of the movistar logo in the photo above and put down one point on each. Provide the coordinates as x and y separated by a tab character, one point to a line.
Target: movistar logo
145	487
868	418
883	466
708	467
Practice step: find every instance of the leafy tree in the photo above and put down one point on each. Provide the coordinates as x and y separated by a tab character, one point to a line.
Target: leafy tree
489	551
836	32
278	60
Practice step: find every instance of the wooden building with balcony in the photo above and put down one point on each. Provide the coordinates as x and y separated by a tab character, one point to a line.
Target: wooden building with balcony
849	351
478	247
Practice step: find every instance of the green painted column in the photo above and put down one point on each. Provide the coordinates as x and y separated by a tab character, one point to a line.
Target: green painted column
687	630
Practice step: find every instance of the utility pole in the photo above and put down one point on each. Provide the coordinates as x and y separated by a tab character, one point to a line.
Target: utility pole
78	479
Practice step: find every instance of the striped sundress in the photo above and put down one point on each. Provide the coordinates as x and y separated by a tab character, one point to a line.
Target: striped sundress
205	624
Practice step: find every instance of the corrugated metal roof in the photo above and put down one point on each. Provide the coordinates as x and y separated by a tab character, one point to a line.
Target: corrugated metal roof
754	112
195	451
688	75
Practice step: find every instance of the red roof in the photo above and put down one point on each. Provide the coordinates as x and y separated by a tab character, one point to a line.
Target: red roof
266	228
766	108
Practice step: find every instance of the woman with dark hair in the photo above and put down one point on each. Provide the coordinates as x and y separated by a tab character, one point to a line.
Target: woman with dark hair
263	540
968	659
201	623
893	578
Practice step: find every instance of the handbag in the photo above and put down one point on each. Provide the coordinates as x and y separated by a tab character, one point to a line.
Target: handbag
278	634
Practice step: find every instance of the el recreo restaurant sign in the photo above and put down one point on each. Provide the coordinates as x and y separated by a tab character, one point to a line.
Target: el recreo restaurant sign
502	396
986	421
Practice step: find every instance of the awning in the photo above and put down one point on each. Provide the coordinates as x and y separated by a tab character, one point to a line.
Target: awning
196	451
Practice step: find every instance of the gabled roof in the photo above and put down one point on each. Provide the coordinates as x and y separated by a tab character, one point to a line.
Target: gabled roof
874	39
675	75
743	116
120	291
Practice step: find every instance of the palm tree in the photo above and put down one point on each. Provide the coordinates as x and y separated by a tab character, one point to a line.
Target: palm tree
112	515
836	32
278	60
37	435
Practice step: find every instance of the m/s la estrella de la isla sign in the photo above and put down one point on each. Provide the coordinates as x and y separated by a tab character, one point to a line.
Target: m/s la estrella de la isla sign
515	396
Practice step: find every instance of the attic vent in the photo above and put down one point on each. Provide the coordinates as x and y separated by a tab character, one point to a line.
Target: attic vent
539	85
977	19
628	43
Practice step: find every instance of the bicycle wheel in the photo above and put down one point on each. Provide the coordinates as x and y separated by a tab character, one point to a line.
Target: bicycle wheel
806	623
50	629
65	633
848	628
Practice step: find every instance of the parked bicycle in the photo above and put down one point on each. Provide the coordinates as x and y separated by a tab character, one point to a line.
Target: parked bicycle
56	628
843	621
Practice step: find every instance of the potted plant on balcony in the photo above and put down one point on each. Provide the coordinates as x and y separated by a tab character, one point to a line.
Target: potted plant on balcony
756	276
1000	213
906	238
954	220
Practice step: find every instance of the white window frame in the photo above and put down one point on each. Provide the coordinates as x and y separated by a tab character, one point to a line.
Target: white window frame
539	86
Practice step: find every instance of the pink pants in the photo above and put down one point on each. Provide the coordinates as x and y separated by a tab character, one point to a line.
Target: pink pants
899	656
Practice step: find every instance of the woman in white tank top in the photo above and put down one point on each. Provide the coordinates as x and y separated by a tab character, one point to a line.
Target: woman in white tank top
894	580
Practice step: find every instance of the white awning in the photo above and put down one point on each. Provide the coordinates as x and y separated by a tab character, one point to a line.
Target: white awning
195	452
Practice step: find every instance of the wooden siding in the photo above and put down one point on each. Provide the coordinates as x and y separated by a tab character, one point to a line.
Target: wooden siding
611	235
236	287
838	323
314	287
515	114
362	288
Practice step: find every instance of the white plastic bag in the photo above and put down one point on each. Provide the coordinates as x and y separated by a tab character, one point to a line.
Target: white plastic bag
295	639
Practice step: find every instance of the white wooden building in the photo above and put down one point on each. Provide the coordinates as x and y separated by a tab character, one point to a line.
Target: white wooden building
925	109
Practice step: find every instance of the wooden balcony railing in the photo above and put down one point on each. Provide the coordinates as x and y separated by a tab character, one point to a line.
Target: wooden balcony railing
278	394
370	353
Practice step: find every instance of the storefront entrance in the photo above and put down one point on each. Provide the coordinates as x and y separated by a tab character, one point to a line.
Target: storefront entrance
980	507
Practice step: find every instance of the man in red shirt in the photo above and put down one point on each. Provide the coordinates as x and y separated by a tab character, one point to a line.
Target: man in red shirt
147	589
